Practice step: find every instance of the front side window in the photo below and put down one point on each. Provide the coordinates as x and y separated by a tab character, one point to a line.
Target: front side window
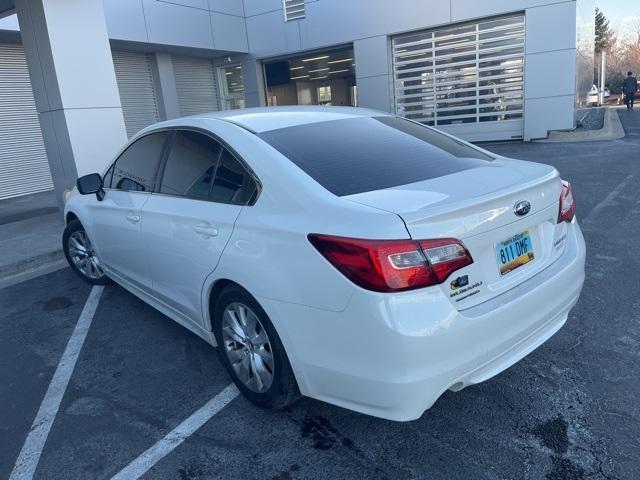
106	179
199	167
190	165
136	168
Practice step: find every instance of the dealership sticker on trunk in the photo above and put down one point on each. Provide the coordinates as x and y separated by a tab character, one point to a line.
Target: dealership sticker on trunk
514	252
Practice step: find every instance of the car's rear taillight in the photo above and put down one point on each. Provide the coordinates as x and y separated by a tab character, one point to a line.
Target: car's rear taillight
567	203
393	265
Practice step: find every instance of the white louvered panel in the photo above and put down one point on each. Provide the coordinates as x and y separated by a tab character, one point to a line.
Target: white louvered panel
196	85
461	75
137	91
293	9
23	161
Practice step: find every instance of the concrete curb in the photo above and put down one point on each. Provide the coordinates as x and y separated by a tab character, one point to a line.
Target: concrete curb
28	274
32	264
611	130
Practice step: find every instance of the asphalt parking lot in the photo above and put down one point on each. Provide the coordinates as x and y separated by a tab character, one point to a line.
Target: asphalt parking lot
569	410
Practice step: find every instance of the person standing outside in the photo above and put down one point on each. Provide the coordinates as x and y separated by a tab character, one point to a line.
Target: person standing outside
629	88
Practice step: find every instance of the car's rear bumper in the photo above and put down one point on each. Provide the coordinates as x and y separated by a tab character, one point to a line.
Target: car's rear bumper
392	356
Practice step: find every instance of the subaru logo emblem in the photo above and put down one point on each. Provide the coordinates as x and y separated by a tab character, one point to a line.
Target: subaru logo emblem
522	208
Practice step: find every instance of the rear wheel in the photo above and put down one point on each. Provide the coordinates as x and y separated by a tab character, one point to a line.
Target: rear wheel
251	350
81	256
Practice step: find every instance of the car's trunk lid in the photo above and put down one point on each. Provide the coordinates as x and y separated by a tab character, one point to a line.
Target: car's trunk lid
477	207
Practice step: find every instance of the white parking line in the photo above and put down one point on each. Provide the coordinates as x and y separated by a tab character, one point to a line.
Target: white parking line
27	462
175	437
608	200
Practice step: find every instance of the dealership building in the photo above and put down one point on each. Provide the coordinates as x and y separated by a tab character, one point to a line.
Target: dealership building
79	77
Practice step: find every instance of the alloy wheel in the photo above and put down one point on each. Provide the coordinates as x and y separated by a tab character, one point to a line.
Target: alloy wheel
83	256
247	347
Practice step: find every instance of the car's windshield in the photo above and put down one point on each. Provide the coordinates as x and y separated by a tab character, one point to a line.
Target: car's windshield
362	154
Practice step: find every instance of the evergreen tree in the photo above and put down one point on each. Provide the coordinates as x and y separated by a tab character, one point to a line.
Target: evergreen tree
604	33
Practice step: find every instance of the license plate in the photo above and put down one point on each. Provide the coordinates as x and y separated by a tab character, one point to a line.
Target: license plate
514	252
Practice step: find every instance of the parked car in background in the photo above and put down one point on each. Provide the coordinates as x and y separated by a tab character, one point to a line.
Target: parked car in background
345	254
593	99
592	96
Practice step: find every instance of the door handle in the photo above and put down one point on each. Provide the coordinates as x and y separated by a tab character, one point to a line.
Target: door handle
133	218
206	231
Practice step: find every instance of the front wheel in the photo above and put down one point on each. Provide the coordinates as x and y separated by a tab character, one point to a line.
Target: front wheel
81	256
251	350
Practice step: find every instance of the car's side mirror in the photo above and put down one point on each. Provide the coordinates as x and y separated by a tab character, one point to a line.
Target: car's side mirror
89	184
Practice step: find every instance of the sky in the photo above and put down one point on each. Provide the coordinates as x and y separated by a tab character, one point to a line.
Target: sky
621	13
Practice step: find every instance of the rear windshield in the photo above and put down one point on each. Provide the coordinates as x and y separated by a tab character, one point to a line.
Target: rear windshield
356	155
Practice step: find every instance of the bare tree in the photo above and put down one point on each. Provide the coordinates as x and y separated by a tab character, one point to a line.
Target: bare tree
623	55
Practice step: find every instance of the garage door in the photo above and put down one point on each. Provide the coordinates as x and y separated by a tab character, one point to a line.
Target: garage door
137	91
466	79
196	85
23	161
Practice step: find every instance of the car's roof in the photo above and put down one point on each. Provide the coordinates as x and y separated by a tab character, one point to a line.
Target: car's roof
271	118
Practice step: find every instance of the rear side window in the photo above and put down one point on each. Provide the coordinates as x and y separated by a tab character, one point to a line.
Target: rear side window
232	182
356	155
190	165
136	168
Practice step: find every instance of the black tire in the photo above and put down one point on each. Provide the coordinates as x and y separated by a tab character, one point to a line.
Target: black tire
71	228
284	388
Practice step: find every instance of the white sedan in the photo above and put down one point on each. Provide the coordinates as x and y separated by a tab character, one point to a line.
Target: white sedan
344	254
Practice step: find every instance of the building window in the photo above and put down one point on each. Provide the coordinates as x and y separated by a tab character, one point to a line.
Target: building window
293	9
232	87
313	78
324	95
466	73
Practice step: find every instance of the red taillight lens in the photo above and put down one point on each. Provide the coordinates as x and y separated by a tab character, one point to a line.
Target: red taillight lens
393	265
567	203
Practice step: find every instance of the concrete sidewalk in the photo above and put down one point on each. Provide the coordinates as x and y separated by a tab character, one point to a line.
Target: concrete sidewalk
611	130
30	237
